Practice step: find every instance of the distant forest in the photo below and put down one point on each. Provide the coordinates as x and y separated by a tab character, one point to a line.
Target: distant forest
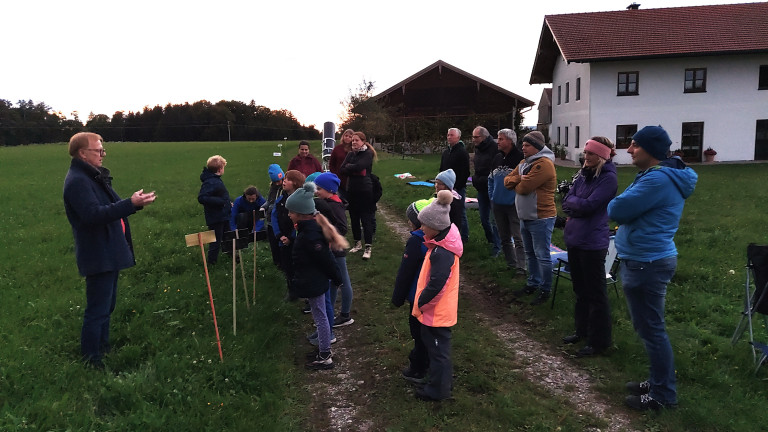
37	123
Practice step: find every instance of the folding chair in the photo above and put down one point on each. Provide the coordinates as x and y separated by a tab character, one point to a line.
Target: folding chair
561	270
755	300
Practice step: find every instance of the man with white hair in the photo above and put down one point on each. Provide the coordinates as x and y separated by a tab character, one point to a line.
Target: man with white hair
455	157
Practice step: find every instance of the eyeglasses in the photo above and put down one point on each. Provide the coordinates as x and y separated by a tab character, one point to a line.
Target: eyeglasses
101	151
476	136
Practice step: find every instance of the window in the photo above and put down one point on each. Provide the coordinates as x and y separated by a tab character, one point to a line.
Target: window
567	92
696	80
558	135
578	88
692	140
577	138
628	83
762	83
761	140
566	136
624	135
559	94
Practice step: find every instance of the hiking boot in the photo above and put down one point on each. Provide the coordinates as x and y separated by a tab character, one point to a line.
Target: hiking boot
646	402
316	341
341	321
323	361
638	388
527	290
414	376
541	298
358	246
367	252
571	339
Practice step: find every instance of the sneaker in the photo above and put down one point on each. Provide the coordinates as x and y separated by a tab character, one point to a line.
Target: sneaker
638	388
357	248
589	351
307	309
571	339
323	361
367	252
646	402
414	376
541	298
527	290
312	336
316	341
341	321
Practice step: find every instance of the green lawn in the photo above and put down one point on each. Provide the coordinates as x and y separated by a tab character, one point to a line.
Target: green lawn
165	373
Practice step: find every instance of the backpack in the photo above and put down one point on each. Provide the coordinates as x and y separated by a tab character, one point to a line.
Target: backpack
376	189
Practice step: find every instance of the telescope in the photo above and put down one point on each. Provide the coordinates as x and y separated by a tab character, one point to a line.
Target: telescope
329	142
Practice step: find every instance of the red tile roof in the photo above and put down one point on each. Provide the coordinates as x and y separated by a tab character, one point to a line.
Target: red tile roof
652	33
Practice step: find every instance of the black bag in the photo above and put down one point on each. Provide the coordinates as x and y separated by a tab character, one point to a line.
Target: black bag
376	189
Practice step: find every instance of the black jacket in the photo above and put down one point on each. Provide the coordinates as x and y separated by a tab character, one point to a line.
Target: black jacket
357	166
214	198
335	211
95	212
484	153
457	159
313	262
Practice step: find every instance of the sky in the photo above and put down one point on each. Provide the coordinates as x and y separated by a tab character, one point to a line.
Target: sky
304	56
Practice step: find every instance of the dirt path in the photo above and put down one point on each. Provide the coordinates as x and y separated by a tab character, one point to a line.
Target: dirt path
342	394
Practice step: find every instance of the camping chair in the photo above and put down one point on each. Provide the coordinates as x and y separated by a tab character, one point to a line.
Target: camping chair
755	300
561	270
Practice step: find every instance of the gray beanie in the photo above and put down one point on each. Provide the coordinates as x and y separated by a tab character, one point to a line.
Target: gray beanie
302	201
448	177
413	210
436	214
535	139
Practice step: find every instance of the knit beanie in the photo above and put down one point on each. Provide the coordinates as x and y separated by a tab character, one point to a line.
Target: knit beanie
535	139
302	200
414	208
436	214
448	177
654	140
275	173
328	181
312	177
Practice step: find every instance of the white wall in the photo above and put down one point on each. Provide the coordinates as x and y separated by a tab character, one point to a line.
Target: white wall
574	113
729	108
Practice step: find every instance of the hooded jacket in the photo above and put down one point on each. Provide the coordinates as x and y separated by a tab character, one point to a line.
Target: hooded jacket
585	204
484	155
242	205
437	291
99	220
535	197
649	212
214	197
408	275
313	262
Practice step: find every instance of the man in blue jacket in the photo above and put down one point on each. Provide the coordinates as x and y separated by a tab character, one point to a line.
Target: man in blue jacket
649	212
103	246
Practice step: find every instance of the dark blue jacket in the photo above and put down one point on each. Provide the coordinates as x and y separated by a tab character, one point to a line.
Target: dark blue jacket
242	205
410	266
586	206
335	210
97	216
214	198
313	262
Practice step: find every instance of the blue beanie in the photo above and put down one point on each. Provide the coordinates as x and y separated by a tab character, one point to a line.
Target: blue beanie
654	140
312	176
302	200
448	177
275	173
328	181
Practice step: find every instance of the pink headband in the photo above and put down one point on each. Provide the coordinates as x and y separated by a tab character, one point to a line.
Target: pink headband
599	149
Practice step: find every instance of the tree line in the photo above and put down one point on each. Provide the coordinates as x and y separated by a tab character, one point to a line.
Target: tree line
37	123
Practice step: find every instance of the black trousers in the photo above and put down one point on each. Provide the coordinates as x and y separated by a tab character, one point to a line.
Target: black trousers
215	247
418	356
438	343
592	312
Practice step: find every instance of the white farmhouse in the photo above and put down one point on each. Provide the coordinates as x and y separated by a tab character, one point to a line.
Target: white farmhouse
701	72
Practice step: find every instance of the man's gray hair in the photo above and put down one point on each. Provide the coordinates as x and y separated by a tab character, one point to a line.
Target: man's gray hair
457	131
509	133
483	132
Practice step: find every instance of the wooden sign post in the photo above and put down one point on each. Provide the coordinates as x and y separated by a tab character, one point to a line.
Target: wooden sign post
200	239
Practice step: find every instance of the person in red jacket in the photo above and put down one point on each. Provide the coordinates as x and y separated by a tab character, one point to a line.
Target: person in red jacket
304	162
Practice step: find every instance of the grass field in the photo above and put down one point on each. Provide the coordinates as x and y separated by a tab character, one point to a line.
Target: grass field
164	373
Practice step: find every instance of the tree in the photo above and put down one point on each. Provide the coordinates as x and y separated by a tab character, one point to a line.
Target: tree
366	114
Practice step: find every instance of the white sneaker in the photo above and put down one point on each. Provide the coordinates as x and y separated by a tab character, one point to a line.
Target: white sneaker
367	253
357	247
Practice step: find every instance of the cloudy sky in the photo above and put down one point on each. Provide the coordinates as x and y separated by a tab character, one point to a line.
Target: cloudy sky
304	56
